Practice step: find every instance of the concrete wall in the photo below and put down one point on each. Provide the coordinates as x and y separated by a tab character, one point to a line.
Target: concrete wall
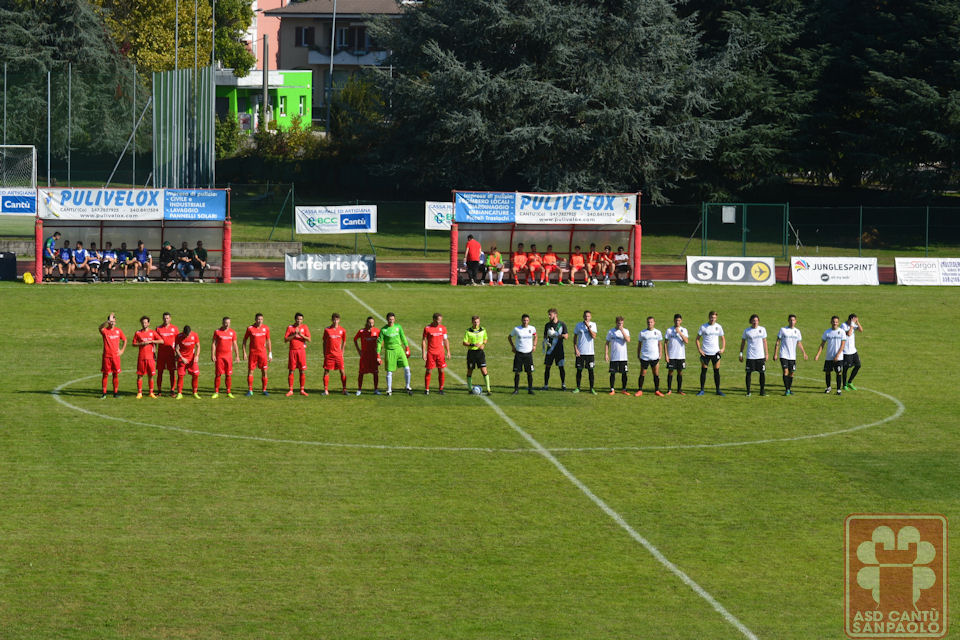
23	248
264	249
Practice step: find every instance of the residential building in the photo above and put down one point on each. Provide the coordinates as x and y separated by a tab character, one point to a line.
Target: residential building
290	93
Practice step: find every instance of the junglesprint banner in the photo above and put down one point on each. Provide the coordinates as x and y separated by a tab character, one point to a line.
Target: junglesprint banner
131	204
849	271
361	218
312	267
545	208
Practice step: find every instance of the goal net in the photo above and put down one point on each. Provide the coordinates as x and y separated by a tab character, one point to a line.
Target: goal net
18	166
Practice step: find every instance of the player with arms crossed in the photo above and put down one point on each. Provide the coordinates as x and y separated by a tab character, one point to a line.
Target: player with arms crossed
297	336
518	263
676	339
334	340
523	342
578	263
584	333
393	347
554	332
260	354
650	351
834	339
224	350
188	359
365	342
711	344
788	340
166	359
475	340
145	339
755	339
436	349
851	358
114	344
550	261
615	352
534	265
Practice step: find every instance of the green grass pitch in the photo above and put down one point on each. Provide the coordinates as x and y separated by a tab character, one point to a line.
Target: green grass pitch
433	517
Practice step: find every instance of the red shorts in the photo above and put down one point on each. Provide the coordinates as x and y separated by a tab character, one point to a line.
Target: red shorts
549	267
534	266
257	360
591	266
435	361
146	367
223	365
110	364
297	359
331	362
166	360
193	368
369	365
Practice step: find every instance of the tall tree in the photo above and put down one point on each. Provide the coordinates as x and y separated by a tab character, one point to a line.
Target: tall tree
550	94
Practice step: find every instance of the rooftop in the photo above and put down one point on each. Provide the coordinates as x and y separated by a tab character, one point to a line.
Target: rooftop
345	8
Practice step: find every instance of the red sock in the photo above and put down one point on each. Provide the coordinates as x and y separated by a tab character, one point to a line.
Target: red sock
326	382
151	384
376	381
442	379
343	380
229	382
290	380
139	385
179	384
359	382
264	381
426	380
104	383
303	379
216	384
250	382
196	383
116	383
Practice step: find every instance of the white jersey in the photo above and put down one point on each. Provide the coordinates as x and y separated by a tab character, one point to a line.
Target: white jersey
851	346
755	338
676	347
584	338
618	344
833	340
649	338
711	338
788	342
523	338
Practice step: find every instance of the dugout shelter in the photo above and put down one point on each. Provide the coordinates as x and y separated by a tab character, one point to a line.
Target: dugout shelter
564	220
154	216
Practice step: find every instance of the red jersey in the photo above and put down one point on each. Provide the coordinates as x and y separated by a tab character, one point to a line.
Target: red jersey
473	250
518	260
550	258
534	258
224	339
333	340
145	335
188	345
169	336
608	256
258	337
576	260
434	336
368	342
111	341
593	257
297	343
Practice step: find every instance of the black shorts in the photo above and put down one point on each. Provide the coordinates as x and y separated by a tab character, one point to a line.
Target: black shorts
554	357
523	362
47	262
476	359
756	364
851	360
648	363
833	365
715	358
676	365
788	365
619	366
585	362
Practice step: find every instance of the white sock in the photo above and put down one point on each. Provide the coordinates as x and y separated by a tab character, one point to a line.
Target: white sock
389	381
500	277
406	376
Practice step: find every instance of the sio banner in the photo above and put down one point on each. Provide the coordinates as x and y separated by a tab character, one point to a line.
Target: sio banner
841	271
545	208
18	201
316	267
437	216
722	270
360	218
928	271
132	204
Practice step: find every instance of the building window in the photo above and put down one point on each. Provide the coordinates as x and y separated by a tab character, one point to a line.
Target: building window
283	106
303	104
304	37
343	38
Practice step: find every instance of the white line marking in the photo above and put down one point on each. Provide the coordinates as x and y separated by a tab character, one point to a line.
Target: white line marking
300	284
616	517
388	286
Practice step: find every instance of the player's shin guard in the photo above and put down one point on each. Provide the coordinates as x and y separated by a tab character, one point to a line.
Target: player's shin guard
716	378
103	382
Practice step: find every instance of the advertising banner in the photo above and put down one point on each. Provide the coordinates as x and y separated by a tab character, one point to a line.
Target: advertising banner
437	216
18	201
194	204
317	267
360	218
101	204
724	270
843	271
928	271
576	208
489	207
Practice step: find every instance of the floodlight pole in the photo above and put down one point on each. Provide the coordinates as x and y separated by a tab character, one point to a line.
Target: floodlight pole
333	39
69	118
48	128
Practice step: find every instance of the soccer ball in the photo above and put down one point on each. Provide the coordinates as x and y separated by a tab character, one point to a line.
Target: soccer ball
551	332
593	281
476	390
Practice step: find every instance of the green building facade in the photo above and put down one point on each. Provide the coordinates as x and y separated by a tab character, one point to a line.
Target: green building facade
289	93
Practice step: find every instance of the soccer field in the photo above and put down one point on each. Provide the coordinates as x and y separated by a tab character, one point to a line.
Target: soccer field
546	516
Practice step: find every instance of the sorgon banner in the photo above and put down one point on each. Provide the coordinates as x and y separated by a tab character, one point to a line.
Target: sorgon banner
100	204
842	271
437	216
576	208
18	201
316	267
343	219
928	271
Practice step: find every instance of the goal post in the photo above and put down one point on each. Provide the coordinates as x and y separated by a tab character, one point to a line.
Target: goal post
18	166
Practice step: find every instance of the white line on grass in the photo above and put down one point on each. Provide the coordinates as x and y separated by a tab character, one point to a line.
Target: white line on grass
300	284
616	517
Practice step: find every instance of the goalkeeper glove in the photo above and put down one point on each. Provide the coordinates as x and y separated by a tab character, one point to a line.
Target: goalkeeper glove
406	351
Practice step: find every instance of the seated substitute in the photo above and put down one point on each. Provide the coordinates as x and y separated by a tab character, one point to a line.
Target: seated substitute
184	261
108	262
578	263
200	260
550	261
168	260
495	265
518	263
94	260
65	261
81	261
143	262
621	266
534	265
126	260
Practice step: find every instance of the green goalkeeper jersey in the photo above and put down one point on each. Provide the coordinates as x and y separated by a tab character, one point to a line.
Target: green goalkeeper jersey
391	339
474	338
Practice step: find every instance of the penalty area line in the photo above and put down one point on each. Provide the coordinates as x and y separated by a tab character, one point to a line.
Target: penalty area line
599	502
